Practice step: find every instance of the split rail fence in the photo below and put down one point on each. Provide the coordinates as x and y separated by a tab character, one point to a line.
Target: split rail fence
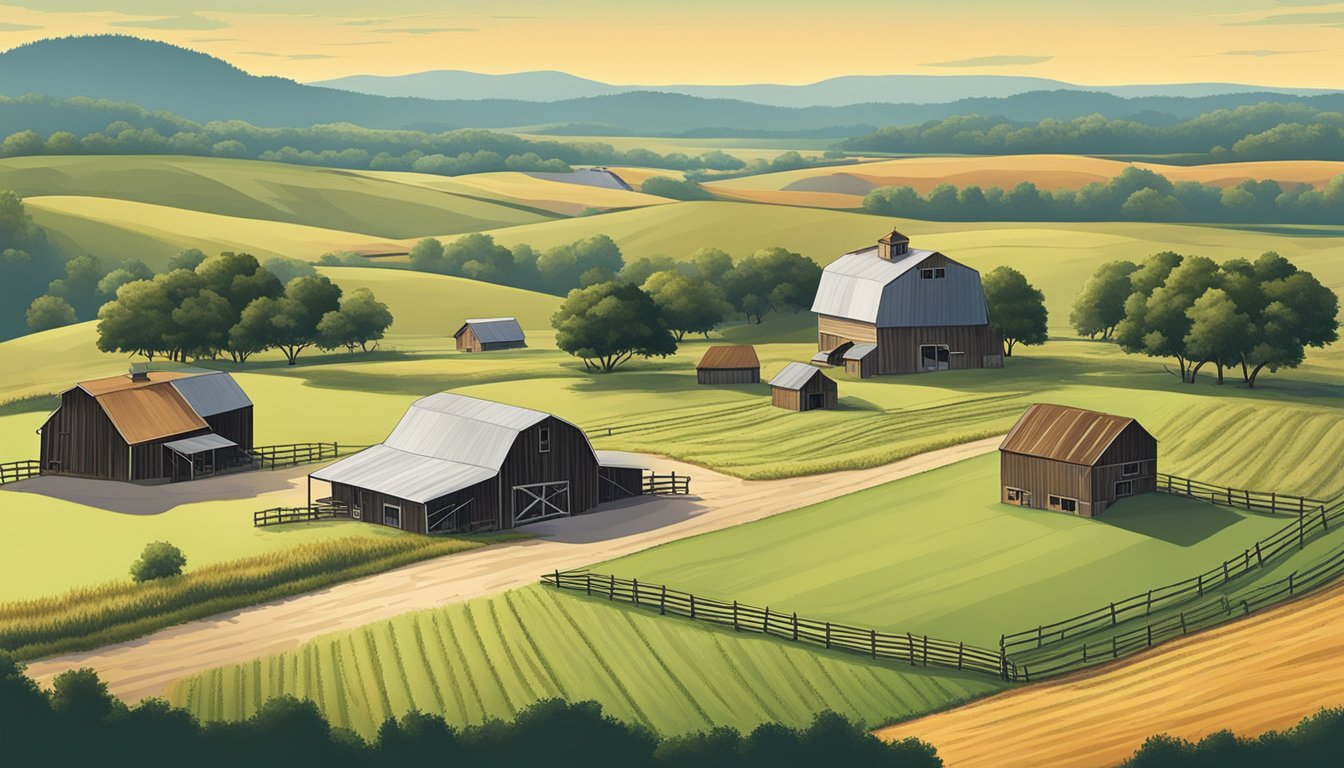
1255	501
14	471
916	650
670	484
281	515
294	454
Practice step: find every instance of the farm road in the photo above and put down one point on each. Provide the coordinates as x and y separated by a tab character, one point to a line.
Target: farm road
145	667
1262	673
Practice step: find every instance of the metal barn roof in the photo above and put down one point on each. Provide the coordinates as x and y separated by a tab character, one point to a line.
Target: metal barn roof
729	357
119	383
402	474
794	376
1064	433
149	413
494	330
444	443
863	286
193	445
860	351
213	393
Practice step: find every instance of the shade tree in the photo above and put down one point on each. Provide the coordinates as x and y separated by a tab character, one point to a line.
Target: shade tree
1016	308
688	304
771	279
608	324
1100	306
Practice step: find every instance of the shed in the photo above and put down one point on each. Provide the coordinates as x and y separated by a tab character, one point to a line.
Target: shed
921	310
149	426
1074	460
861	360
801	387
736	364
456	464
489	334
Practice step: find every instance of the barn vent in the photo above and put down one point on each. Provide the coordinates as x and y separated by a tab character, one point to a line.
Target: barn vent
893	246
139	372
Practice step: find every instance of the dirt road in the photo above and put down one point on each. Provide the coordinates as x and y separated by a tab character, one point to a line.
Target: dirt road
144	667
1262	673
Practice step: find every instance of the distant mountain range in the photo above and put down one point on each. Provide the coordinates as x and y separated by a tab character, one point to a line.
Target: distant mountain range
835	92
199	87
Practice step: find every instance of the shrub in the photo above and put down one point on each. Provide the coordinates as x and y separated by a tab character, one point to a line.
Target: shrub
160	559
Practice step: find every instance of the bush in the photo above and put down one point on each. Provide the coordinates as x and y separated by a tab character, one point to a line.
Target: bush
160	559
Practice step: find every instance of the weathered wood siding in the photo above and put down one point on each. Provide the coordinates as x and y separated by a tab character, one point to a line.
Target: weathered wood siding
79	439
798	400
467	341
235	425
616	483
728	375
570	458
834	331
973	346
864	369
1043	478
370	504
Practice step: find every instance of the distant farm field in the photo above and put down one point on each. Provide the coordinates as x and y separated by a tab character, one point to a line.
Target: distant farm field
569	199
492	657
845	186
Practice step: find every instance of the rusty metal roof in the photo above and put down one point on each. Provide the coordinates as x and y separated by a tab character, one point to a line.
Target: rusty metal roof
1063	433
150	412
730	357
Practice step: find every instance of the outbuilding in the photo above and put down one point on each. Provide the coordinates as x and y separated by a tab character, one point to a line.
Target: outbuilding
735	364
457	464
149	427
1073	460
489	334
907	310
802	387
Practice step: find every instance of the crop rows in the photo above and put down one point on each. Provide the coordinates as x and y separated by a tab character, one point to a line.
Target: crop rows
493	657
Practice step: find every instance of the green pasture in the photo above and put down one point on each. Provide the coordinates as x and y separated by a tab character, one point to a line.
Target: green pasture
494	656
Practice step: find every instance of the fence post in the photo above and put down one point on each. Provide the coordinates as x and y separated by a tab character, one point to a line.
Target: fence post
588	583
1325	525
926	650
1148	609
872	642
611	588
634	591
910	642
1225	572
1290	583
1115	651
1183	630
765	625
795	627
692	606
1112	614
828	635
557	578
1084	653
1301	532
734	615
1200	587
1150	635
1040	638
1259	559
1248	499
1273	502
662	602
961	653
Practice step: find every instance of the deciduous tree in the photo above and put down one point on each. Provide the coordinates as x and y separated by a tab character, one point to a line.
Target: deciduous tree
1101	304
609	323
1016	308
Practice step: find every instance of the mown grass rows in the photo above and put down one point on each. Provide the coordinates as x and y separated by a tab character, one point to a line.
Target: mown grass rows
93	616
493	657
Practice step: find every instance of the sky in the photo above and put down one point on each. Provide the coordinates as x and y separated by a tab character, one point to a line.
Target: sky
1297	43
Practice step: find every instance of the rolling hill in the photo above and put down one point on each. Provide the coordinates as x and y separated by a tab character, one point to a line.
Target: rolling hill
199	87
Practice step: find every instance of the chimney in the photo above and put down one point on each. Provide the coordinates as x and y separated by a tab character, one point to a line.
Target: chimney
139	372
894	246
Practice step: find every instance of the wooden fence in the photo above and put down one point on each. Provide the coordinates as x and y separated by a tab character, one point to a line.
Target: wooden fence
1099	635
1255	501
672	484
916	650
14	471
281	515
294	454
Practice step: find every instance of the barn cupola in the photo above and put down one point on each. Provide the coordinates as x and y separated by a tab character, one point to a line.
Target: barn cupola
893	246
139	372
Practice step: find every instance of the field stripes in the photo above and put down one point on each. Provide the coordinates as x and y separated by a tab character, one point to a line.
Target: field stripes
492	657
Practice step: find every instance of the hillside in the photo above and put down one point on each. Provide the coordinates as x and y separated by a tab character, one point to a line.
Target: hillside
200	87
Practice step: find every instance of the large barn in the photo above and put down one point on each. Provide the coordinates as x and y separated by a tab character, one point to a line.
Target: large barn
908	310
456	464
149	426
729	364
489	334
801	387
1076	461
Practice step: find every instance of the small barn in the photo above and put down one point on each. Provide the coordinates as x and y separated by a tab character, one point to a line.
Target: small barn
490	334
735	364
801	387
459	464
889	308
149	427
1074	460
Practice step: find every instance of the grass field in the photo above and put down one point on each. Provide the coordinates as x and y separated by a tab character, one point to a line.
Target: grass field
938	554
493	657
845	186
350	201
522	189
745	149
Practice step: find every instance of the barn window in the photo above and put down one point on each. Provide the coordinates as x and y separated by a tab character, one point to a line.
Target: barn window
1124	488
932	273
392	515
1063	504
357	512
1131	469
544	439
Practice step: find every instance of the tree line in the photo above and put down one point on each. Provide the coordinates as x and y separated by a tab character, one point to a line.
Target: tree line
650	304
1268	131
135	131
29	262
1135	195
232	305
1245	315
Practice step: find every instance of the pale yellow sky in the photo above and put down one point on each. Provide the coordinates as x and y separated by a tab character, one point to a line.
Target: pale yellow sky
1267	42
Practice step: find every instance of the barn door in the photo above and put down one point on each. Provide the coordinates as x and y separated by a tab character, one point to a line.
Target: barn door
540	501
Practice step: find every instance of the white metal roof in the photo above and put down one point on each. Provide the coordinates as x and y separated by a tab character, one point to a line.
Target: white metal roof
866	287
618	460
494	330
859	351
189	446
794	376
405	475
211	393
